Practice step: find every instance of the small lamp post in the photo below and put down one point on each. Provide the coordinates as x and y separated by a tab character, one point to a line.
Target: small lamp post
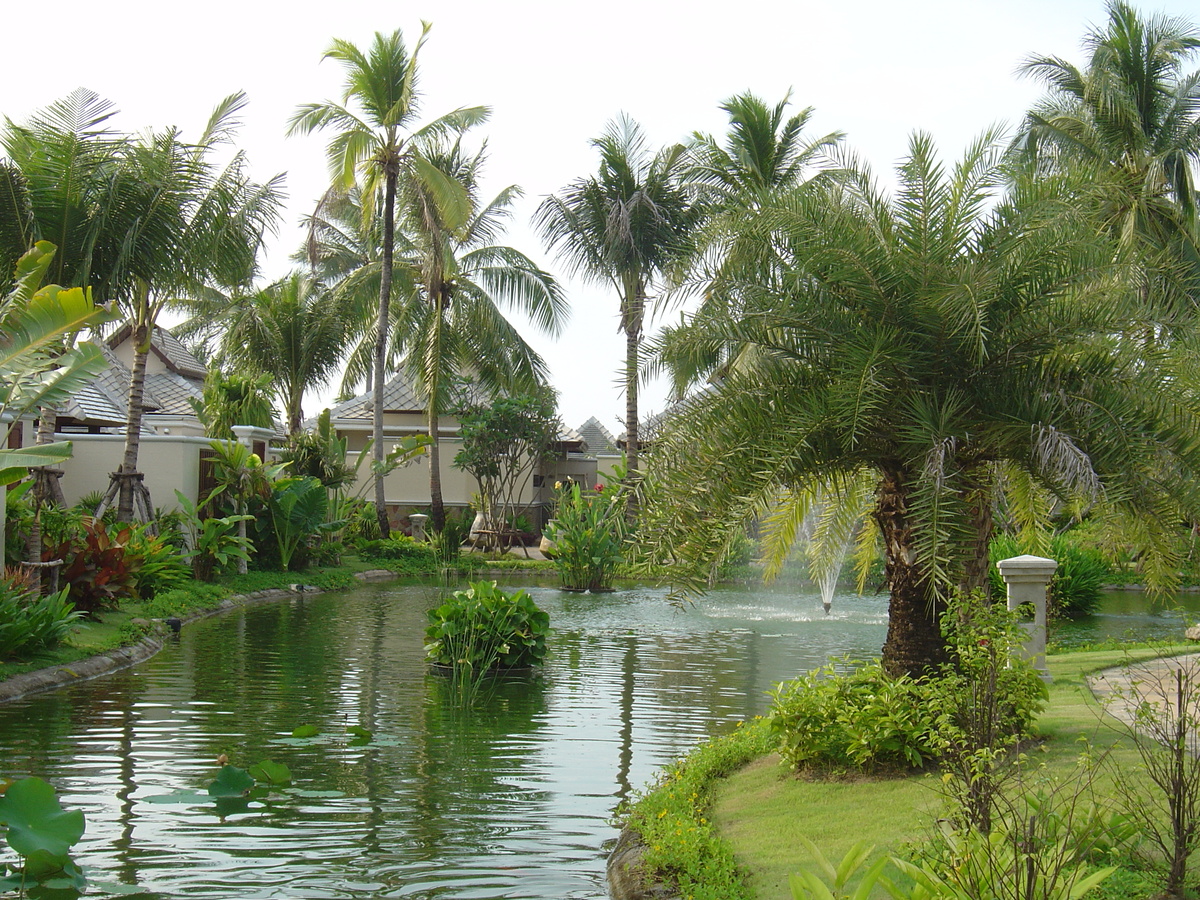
1028	580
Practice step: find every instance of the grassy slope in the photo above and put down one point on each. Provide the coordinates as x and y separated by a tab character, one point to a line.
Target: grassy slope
762	811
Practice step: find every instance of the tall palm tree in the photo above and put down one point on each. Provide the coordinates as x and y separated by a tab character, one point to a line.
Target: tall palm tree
182	222
628	226
1132	116
454	324
293	331
926	340
375	139
764	153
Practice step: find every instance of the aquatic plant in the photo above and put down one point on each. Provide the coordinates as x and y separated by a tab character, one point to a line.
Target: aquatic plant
483	629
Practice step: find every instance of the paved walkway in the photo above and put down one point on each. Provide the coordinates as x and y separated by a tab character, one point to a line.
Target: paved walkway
1122	689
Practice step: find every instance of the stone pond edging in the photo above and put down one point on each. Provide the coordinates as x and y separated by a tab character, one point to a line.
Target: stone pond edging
626	878
36	682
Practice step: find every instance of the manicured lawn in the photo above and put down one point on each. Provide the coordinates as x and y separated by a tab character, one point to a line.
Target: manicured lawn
762	810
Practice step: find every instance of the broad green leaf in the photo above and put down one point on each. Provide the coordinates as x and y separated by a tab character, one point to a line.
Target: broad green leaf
231	782
271	773
305	731
36	821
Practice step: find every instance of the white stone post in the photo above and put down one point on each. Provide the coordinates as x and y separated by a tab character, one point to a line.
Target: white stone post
1028	580
418	525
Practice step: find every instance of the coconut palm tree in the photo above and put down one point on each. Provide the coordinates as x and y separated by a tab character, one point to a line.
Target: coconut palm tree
627	226
376	136
184	222
1131	115
927	339
454	324
293	331
764	152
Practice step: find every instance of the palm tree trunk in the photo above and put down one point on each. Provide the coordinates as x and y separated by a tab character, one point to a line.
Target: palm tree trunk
437	506
632	325
978	497
133	421
381	338
914	641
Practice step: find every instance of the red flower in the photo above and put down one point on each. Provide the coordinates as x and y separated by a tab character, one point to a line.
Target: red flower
599	487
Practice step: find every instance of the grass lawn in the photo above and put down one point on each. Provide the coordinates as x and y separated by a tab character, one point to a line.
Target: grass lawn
763	810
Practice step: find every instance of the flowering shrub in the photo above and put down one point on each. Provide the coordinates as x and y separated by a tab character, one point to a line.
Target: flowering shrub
588	533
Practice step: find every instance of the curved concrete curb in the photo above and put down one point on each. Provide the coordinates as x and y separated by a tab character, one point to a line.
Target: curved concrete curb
626	880
123	657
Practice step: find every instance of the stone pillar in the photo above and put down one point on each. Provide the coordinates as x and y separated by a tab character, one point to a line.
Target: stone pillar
1028	580
418	526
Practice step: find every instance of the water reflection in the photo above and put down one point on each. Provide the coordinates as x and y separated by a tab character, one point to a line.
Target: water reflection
507	797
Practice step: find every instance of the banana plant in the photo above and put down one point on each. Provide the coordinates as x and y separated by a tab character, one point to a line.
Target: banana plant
38	364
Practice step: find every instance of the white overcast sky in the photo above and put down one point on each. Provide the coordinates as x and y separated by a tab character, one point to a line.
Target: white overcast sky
554	73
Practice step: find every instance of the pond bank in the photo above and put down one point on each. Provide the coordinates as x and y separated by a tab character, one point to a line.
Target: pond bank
53	677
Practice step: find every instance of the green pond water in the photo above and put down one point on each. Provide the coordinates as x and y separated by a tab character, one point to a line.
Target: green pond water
510	797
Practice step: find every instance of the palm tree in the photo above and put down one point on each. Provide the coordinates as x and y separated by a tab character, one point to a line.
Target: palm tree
375	139
1132	116
453	325
293	331
183	223
764	153
626	226
926	340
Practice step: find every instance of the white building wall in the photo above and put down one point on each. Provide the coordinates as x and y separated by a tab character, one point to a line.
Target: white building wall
170	462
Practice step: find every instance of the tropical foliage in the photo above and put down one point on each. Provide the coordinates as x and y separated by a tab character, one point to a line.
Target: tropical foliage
628	226
484	628
928	340
376	139
587	533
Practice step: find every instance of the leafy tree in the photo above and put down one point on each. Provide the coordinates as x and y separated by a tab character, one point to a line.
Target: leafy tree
376	139
628	226
234	399
503	443
927	340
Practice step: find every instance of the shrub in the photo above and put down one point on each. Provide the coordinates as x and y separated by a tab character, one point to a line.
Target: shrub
30	623
398	547
682	848
483	628
863	721
159	567
97	569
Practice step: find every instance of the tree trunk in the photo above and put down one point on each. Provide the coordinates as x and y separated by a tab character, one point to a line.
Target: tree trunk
381	337
433	372
978	497
632	325
914	643
133	421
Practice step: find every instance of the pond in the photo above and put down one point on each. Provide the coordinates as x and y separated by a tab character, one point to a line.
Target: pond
510	797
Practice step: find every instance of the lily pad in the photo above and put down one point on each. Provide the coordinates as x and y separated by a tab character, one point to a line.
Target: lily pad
305	731
271	773
37	822
231	782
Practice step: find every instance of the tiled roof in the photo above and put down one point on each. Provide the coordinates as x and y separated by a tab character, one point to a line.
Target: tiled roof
176	356
597	438
398	396
171	394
